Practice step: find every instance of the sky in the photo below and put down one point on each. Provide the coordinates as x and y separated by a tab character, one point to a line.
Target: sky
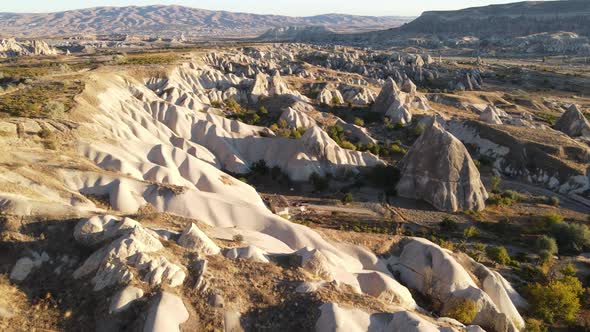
279	7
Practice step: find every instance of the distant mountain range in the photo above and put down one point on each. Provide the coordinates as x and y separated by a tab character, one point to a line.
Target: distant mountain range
514	19
171	21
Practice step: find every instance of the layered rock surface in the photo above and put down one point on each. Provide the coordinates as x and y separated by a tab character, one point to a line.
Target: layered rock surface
439	170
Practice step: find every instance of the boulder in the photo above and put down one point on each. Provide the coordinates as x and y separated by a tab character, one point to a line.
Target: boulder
251	253
25	265
195	239
165	314
384	287
439	170
573	123
490	116
124	298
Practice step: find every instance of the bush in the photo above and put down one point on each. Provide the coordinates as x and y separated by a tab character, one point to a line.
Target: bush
496	180
498	254
359	122
463	310
262	111
419	130
238	238
347	145
571	238
558	300
535	325
546	243
554	201
552	219
470	232
347	198
448	224
54	109
336	100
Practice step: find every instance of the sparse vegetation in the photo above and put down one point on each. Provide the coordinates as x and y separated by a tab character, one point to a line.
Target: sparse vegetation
448	225
463	310
559	299
498	254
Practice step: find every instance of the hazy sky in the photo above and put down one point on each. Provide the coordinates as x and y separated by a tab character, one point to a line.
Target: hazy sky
281	7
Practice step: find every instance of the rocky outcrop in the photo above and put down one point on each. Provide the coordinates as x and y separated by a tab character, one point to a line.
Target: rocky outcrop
439	170
165	314
13	48
195	239
112	264
573	123
296	119
435	272
490	116
396	103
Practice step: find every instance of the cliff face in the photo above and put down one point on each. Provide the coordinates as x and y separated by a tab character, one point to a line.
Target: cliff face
515	19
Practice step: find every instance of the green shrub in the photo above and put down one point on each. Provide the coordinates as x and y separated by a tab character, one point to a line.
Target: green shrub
571	238
552	219
558	300
336	100
359	122
498	254
347	198
554	201
495	181
262	111
463	310
419	130
546	243
448	225
347	145
470	232
535	325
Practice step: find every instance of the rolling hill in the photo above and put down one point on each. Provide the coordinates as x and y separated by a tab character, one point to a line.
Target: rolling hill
174	20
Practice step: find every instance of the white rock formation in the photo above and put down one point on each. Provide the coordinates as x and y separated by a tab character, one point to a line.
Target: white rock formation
195	239
251	253
165	314
490	116
573	123
296	119
426	267
124	298
382	286
111	263
439	170
397	103
338	319
25	265
12	48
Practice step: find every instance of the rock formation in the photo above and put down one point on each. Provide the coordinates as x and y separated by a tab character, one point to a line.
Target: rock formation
439	170
573	123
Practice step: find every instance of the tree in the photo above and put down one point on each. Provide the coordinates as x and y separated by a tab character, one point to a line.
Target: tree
558	300
571	237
